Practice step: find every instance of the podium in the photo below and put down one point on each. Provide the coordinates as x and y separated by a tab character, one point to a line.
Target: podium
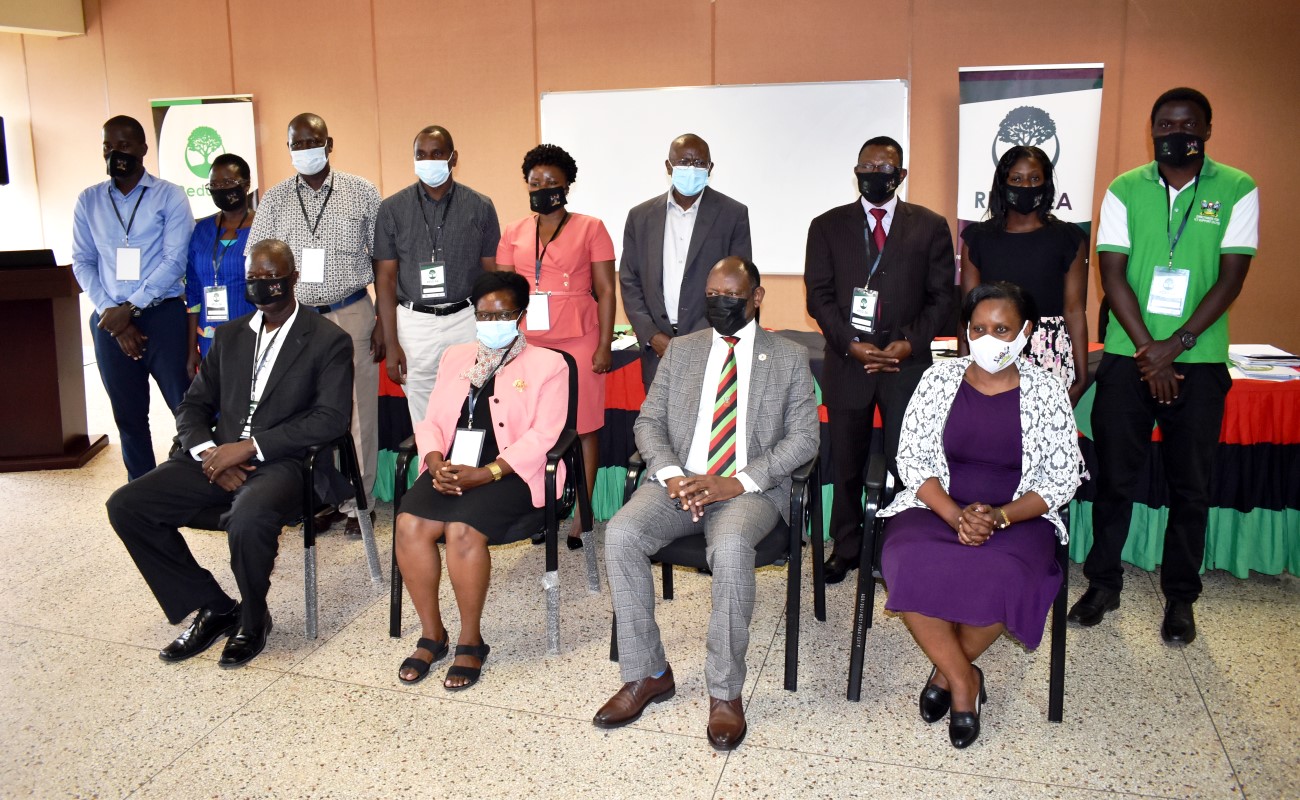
42	380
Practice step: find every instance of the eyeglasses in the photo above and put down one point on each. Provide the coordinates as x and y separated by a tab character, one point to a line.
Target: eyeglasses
698	163
496	316
883	169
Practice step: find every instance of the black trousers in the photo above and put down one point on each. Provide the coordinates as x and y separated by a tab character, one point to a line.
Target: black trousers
1122	416
850	430
147	512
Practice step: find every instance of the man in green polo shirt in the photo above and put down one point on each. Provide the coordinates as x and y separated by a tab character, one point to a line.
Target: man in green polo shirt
1175	242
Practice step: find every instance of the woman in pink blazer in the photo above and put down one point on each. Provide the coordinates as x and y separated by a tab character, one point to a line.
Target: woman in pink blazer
496	409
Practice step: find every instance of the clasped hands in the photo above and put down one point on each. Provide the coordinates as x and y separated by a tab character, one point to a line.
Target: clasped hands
454	479
228	465
876	359
976	523
697	491
116	321
1156	361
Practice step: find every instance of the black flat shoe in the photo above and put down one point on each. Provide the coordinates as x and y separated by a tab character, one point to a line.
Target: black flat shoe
573	542
202	633
245	645
1092	607
836	569
1179	627
480	652
421	667
964	726
935	702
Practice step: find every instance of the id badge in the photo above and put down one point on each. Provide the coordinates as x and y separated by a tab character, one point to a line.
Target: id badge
214	302
539	312
128	263
467	447
1168	291
433	280
312	269
862	314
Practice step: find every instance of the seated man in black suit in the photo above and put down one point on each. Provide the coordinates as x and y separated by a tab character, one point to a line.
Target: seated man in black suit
274	383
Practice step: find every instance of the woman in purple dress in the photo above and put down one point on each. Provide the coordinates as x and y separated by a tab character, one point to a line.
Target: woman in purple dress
969	551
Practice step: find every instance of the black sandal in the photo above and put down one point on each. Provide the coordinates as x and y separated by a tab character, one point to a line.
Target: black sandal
479	651
421	667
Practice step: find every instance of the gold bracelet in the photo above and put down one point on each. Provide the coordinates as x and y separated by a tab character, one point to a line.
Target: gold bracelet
496	471
1006	521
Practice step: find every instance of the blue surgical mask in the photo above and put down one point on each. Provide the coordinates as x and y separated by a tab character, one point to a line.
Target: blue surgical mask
497	333
433	173
690	181
309	162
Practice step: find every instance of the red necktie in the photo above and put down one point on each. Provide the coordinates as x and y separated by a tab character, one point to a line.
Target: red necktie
878	235
722	441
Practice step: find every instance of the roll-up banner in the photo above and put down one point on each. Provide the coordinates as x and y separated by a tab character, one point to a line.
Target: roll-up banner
191	131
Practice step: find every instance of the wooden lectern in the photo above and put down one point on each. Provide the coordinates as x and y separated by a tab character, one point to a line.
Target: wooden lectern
42	381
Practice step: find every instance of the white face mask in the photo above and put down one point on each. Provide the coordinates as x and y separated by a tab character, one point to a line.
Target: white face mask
433	173
309	162
994	355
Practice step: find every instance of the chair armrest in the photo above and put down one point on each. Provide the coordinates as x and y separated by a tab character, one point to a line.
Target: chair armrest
568	437
635	467
803	473
407	445
876	472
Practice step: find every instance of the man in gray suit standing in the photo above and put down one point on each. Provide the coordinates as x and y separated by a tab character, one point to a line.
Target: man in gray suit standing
730	417
669	244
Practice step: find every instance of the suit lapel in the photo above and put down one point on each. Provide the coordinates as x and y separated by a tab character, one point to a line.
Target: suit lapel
243	347
759	376
295	342
654	267
896	241
691	387
708	214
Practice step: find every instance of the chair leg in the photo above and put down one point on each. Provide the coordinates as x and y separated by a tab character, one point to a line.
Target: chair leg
309	582
863	609
668	580
551	585
395	589
793	586
819	556
593	568
1056	679
372	552
613	638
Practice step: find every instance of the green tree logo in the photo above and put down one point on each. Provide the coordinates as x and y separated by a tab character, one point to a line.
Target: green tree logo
1029	126
203	144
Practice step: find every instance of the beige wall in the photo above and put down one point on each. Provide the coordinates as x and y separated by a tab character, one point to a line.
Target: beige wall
378	71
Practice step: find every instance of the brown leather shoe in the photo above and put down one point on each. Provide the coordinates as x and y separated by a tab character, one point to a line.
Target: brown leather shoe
627	703
727	726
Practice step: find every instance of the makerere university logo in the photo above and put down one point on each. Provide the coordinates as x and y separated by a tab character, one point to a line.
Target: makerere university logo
1029	126
203	145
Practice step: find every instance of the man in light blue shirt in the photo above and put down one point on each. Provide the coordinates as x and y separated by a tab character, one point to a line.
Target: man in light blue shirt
129	240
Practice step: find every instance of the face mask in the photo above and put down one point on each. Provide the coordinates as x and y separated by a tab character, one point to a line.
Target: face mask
690	181
1024	199
544	201
877	186
993	354
309	162
726	314
433	173
497	333
228	199
1177	149
267	291
120	165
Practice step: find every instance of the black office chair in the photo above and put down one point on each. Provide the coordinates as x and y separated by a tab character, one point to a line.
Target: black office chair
783	544
210	518
880	491
567	449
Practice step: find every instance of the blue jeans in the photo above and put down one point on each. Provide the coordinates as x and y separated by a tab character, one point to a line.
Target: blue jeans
127	380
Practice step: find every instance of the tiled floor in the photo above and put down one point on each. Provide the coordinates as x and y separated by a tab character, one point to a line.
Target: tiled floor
91	712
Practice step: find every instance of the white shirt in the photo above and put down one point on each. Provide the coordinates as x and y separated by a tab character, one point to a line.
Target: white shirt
697	458
679	224
268	346
888	221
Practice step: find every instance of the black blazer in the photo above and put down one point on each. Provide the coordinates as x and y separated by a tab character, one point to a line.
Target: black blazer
308	395
915	280
721	230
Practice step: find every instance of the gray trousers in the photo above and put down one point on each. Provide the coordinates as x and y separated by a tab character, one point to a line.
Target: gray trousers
648	522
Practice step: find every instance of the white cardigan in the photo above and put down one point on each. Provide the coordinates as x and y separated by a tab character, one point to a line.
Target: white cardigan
1051	464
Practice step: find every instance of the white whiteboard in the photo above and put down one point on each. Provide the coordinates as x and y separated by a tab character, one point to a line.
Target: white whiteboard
786	150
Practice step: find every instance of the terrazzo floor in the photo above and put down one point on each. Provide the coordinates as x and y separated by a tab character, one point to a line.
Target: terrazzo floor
91	712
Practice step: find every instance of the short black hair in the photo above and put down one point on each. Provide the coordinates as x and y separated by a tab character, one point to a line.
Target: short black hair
1183	95
130	123
438	129
1000	290
883	141
551	155
499	281
235	161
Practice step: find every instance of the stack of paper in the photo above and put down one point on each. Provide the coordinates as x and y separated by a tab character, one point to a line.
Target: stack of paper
1264	362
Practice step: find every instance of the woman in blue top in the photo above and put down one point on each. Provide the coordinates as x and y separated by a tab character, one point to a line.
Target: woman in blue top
214	275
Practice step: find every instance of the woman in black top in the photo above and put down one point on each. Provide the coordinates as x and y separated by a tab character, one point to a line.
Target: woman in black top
1023	243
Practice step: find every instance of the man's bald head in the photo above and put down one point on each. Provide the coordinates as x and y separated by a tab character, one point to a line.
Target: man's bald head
270	258
689	145
735	267
308	122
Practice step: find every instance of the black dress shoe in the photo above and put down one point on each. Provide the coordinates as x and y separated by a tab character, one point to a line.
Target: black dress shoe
207	627
964	726
935	702
245	645
353	526
1180	625
326	517
837	568
1093	606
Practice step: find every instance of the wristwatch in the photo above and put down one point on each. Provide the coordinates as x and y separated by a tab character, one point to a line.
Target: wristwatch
135	312
495	470
1187	338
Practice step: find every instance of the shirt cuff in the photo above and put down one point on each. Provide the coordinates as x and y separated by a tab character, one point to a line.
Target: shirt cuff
748	483
194	451
669	472
141	298
258	448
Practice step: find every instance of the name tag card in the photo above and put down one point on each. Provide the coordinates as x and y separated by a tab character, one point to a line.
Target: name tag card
467	447
539	312
214	302
433	281
1168	291
862	313
128	263
312	268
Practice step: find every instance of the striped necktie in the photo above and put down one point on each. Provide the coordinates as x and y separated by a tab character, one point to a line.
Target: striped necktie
722	441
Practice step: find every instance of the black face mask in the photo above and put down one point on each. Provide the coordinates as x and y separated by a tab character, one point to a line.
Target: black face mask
229	199
877	186
726	314
267	291
1179	149
1024	199
120	165
544	201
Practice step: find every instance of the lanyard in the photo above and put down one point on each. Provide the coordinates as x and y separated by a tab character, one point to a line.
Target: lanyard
1174	237
257	370
216	241
473	394
446	209
866	239
540	251
297	188
126	226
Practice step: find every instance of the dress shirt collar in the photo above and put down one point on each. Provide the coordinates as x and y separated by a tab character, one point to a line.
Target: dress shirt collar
673	205
745	334
302	181
145	180
255	322
888	207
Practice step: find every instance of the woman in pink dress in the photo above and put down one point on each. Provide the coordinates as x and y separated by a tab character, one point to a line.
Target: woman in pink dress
568	260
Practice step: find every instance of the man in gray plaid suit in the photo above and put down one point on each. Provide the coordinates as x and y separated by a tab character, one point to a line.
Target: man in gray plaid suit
730	415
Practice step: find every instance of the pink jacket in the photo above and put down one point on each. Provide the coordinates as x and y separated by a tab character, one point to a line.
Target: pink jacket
529	408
